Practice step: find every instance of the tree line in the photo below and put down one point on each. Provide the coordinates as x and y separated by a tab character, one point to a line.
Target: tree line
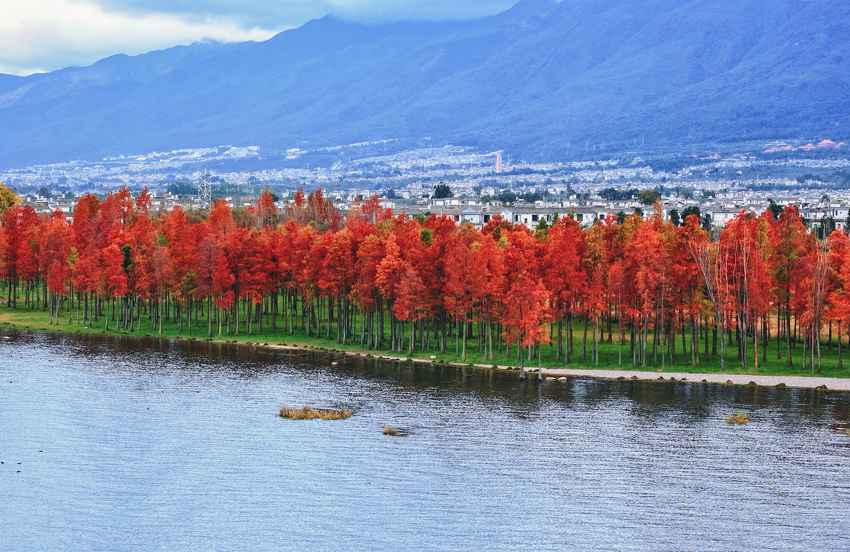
662	292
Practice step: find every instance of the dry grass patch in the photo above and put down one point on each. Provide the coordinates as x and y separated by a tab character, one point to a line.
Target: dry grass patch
739	418
307	413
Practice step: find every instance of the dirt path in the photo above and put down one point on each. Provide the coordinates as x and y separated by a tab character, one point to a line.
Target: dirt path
807	382
842	384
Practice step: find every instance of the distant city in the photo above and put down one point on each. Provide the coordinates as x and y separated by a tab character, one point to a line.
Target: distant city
815	176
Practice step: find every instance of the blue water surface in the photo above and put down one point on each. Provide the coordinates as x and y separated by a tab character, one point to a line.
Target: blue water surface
143	444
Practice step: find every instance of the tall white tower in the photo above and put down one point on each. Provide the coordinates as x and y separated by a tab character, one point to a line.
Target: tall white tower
498	162
204	190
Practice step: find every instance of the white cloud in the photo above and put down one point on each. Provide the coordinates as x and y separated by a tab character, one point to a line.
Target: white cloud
421	10
43	35
286	13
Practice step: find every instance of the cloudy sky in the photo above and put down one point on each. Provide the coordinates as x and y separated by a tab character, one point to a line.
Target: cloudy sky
44	35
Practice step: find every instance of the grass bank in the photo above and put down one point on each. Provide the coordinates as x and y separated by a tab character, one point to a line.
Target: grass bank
610	358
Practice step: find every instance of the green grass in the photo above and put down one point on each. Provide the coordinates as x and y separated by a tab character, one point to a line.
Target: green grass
25	318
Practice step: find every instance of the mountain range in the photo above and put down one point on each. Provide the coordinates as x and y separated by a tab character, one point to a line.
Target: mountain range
543	80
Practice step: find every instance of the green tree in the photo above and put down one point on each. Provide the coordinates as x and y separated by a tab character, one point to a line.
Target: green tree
826	227
649	197
690	210
426	236
127	254
182	189
774	208
674	217
7	198
442	191
621	216
542	230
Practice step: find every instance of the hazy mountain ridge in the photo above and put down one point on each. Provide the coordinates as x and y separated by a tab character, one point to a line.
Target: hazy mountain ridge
542	80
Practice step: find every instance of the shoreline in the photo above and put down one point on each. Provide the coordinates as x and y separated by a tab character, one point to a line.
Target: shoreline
548	373
552	373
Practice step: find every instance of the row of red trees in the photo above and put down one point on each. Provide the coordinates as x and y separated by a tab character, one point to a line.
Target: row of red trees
394	281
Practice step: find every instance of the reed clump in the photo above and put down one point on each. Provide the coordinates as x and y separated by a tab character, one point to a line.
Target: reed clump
737	418
391	431
307	413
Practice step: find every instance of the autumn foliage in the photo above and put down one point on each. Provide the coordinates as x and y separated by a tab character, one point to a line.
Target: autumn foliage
386	280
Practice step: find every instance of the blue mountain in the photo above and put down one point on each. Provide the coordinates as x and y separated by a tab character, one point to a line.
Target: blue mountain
543	80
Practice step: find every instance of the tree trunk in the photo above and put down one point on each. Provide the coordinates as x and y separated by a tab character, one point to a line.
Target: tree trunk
584	340
463	357
788	362
521	365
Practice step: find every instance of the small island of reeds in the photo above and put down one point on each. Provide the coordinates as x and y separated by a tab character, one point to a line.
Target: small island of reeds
307	413
391	431
737	418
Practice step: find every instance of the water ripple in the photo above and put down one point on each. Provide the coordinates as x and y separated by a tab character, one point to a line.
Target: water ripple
128	444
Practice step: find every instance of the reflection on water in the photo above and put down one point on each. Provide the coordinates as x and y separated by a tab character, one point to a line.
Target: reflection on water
129	444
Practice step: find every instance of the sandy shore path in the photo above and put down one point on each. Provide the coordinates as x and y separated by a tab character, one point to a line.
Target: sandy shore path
801	381
841	384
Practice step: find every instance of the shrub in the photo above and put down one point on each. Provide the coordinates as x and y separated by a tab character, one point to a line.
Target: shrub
307	413
738	418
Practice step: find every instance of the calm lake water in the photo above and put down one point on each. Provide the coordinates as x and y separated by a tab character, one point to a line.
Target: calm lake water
126	444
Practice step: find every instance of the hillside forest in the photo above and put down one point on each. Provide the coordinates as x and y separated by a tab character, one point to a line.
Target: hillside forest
655	291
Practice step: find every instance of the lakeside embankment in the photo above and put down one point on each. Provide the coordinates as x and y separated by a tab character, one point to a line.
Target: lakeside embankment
548	372
801	381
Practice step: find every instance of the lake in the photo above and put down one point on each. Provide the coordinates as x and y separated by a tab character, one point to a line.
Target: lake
146	444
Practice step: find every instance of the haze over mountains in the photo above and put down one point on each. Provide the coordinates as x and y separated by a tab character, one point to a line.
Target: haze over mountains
542	80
